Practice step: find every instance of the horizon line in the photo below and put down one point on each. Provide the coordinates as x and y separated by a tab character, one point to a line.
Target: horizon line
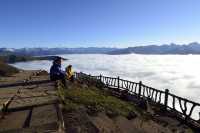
103	46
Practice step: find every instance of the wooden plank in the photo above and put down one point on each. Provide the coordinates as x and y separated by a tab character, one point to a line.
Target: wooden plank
13	120
43	115
32	106
46	128
25	83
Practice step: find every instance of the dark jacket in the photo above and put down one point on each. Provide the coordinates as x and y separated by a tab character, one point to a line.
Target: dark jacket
56	73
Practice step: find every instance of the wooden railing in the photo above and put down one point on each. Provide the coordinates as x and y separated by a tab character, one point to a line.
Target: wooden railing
184	108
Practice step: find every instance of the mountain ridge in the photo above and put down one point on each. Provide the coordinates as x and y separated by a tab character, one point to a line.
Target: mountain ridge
191	48
55	51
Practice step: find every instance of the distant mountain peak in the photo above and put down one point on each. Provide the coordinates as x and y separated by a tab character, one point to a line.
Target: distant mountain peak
194	43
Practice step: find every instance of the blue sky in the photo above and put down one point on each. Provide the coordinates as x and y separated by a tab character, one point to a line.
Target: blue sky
110	23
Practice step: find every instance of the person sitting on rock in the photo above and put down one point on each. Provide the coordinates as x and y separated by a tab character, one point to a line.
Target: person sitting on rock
69	73
55	71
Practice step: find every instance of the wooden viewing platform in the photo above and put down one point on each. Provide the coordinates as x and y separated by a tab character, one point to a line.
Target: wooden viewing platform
29	105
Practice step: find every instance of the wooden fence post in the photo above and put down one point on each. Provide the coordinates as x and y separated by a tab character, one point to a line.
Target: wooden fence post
89	79
100	77
140	88
166	98
118	85
199	116
79	75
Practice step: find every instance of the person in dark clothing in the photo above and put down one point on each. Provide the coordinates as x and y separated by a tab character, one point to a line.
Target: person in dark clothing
55	71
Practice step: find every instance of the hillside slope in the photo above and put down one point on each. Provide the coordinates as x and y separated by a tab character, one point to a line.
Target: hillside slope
7	70
90	109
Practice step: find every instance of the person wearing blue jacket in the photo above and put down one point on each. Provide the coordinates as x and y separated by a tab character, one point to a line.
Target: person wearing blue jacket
55	71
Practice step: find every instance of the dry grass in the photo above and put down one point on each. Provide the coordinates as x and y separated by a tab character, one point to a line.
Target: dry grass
95	100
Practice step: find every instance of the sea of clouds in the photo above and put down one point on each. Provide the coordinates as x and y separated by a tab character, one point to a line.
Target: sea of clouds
178	73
